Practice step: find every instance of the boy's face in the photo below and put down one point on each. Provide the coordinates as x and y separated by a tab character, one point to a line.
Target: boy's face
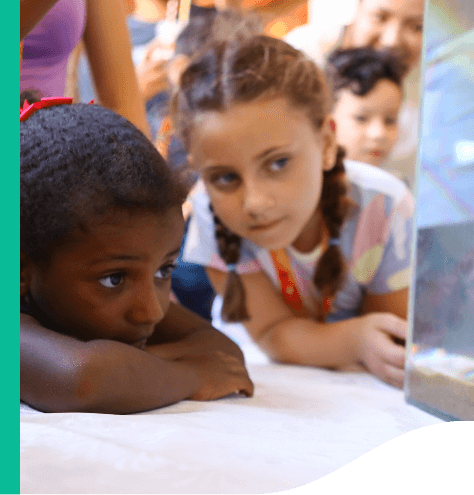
367	125
112	281
396	25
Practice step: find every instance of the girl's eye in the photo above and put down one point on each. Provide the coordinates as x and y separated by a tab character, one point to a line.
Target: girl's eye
390	121
223	180
418	28
112	281
277	165
360	118
165	271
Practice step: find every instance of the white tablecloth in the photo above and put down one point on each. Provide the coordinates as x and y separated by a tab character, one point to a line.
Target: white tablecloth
302	424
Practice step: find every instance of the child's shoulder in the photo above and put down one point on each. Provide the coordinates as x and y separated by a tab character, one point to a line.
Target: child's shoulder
368	182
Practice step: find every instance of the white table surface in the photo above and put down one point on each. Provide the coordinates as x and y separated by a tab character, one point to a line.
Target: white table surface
302	424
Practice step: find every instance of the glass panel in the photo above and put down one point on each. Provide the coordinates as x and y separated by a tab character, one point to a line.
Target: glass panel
440	362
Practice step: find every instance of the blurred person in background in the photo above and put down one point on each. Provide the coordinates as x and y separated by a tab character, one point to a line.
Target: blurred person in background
393	25
153	28
51	29
367	89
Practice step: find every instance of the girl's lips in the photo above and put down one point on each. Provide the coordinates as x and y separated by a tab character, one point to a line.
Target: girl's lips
264	226
376	153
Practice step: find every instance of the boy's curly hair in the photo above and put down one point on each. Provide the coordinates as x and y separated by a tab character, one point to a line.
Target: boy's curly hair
360	69
81	160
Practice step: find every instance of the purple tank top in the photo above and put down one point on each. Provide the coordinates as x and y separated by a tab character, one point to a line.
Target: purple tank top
47	48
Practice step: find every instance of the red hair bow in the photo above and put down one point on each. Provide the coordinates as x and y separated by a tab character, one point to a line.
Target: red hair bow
28	109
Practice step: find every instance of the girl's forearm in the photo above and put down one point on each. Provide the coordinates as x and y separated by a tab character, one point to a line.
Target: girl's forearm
120	379
307	342
199	342
59	373
182	332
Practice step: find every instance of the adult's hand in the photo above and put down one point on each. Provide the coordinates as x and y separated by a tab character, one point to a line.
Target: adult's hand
152	72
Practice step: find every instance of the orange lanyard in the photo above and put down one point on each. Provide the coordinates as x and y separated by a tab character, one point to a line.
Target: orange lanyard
289	289
164	137
288	286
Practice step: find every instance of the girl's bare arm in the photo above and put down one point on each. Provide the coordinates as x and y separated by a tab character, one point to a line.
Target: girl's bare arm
182	332
108	47
187	358
290	339
393	302
184	337
59	373
284	336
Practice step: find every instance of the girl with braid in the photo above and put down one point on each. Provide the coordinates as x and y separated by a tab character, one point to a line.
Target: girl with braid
101	227
310	251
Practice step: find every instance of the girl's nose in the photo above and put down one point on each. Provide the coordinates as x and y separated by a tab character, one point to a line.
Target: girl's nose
391	37
146	308
257	201
376	130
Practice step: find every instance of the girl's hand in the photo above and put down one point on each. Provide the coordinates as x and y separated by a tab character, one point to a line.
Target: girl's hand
376	346
220	374
187	339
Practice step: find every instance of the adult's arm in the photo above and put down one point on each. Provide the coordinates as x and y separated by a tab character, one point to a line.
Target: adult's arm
108	48
31	13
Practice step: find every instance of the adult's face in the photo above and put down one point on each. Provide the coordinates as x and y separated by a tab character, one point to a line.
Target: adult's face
395	25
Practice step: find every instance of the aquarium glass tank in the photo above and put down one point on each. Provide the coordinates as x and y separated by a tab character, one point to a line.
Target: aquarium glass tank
440	347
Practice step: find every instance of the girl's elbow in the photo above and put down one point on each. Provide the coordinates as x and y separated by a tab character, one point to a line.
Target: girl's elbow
93	382
63	397
80	388
276	344
60	388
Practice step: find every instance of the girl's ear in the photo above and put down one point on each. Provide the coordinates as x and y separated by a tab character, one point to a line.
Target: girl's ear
328	134
26	267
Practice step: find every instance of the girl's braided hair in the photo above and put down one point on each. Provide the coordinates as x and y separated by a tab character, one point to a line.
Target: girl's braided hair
77	161
262	67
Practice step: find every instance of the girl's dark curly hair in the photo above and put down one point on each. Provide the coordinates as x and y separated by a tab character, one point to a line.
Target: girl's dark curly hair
81	160
261	67
360	69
